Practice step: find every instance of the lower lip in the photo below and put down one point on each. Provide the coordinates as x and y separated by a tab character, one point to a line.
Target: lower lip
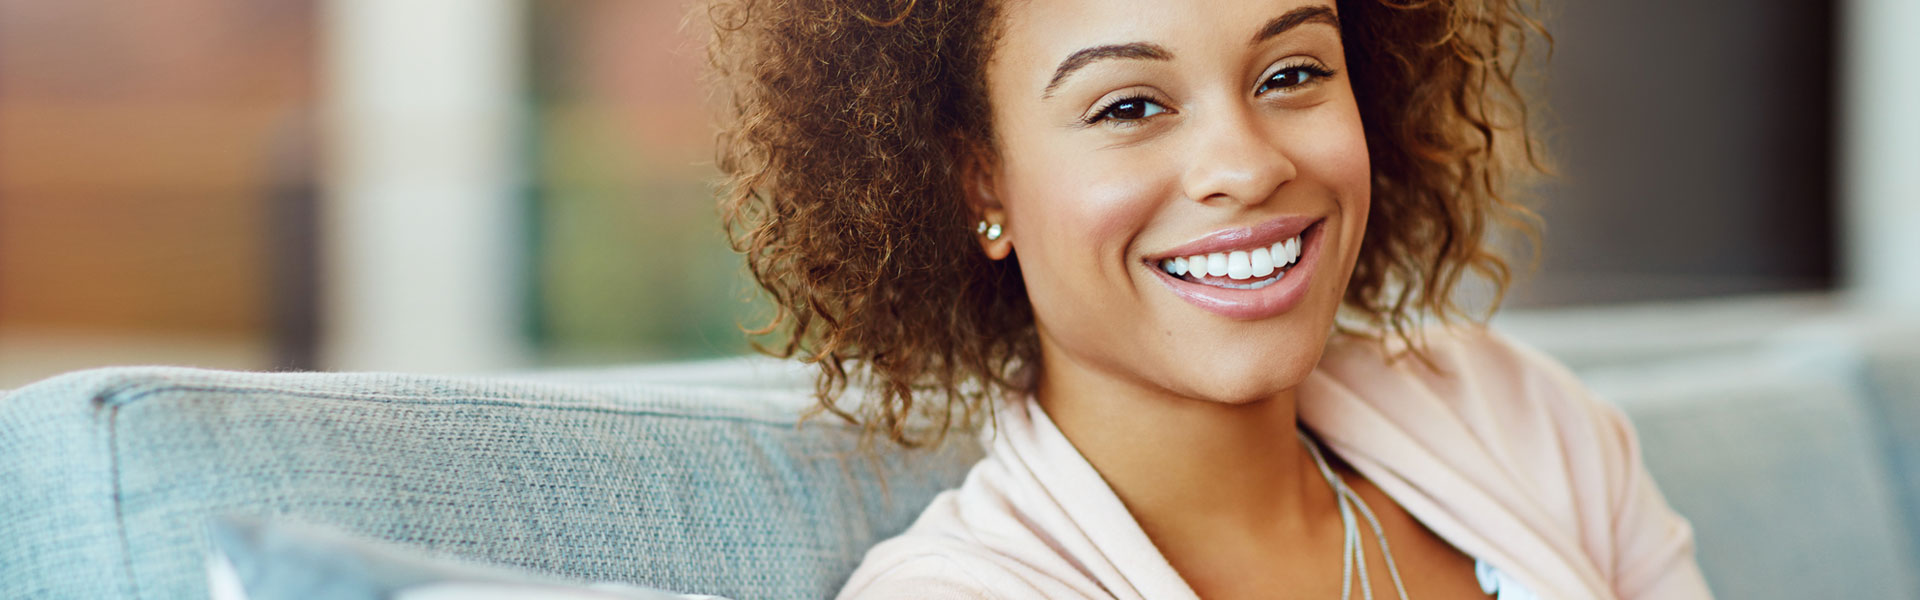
1276	298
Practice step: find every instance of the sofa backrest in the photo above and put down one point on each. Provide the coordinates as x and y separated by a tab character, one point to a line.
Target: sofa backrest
695	478
1786	428
1773	455
1793	452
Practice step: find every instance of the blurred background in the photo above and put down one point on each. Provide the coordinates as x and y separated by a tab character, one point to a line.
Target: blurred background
479	185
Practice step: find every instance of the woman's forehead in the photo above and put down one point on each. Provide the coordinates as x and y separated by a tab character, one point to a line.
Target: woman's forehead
1038	37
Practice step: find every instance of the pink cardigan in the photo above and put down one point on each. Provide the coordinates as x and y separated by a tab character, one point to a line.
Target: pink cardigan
1501	452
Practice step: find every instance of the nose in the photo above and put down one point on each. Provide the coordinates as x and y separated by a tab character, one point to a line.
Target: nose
1234	159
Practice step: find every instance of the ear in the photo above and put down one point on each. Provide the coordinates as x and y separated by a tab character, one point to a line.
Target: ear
980	184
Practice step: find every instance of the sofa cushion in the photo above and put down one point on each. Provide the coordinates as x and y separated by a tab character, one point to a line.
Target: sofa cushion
1625	335
706	483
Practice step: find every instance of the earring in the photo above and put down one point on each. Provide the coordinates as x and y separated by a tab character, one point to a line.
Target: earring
992	231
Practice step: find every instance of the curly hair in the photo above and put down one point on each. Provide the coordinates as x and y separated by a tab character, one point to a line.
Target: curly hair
844	123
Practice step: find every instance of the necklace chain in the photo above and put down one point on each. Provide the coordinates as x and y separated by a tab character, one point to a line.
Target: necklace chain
1355	553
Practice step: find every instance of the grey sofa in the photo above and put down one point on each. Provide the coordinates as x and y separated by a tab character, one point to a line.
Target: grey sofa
1785	432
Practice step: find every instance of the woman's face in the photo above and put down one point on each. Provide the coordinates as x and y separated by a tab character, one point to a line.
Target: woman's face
1158	164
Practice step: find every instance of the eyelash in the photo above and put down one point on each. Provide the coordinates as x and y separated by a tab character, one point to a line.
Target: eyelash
1103	113
1315	70
1311	68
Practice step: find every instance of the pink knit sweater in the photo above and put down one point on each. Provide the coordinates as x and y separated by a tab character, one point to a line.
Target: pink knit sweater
1500	451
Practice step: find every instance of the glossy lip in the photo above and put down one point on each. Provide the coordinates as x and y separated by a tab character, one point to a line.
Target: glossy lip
1280	297
1240	238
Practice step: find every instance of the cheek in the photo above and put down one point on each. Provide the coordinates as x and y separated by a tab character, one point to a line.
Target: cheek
1078	215
1339	160
1339	156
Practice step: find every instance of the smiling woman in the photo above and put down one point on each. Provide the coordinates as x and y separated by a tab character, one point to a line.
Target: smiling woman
1125	229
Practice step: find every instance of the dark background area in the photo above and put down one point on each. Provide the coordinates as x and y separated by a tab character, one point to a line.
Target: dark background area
1694	140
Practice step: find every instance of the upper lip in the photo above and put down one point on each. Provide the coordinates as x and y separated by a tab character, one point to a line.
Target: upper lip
1240	238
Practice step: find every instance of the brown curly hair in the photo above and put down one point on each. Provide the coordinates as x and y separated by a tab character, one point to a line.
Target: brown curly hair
845	121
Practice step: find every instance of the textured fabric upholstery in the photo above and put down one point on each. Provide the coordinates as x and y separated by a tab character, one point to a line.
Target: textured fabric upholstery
107	477
1787	428
1771	454
284	559
1892	357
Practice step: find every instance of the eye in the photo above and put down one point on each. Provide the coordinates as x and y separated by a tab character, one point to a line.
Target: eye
1294	77
1127	109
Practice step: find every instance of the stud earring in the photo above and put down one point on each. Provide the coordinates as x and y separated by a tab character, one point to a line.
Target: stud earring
991	230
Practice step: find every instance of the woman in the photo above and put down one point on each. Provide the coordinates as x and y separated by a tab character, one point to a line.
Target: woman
1121	232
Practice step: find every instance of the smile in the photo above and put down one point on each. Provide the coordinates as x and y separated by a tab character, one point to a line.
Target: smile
1245	273
1237	269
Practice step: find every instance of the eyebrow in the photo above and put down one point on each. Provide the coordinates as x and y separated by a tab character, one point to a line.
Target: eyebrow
1086	56
1318	13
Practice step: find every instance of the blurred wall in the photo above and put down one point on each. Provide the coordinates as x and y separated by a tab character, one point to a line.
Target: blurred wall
526	182
137	142
1879	156
630	258
422	262
1694	140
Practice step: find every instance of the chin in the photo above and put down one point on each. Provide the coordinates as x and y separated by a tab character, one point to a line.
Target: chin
1257	378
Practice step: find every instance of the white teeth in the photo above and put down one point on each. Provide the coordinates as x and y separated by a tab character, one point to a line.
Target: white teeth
1238	266
1258	263
1286	252
1216	264
1262	259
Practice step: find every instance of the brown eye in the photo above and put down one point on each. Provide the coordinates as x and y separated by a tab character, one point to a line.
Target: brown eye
1293	77
1128	109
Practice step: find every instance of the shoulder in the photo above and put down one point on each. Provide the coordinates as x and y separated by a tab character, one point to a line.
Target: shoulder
1464	357
970	542
1522	425
921	575
1488	380
1481	401
954	572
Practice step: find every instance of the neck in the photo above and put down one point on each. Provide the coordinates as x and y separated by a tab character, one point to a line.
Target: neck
1185	467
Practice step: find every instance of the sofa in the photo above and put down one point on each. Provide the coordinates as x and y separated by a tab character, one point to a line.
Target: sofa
1784	429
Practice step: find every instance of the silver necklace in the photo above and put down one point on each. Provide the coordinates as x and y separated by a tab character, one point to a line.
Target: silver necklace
1356	552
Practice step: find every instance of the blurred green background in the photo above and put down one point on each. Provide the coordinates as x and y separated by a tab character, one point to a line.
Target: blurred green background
632	263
